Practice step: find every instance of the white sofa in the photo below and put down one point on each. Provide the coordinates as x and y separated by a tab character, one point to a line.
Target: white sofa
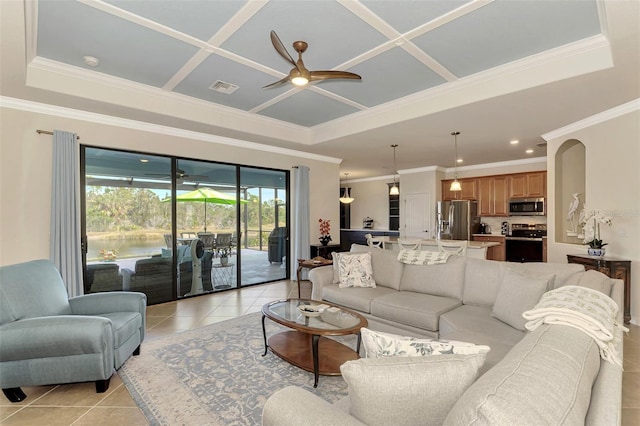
551	375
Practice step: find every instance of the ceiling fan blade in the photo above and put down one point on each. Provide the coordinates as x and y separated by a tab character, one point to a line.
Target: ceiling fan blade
277	44
277	83
327	75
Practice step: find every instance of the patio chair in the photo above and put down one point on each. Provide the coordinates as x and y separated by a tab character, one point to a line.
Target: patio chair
168	240
223	242
48	338
208	240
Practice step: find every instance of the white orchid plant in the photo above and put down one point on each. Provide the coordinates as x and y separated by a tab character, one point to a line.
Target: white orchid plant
591	228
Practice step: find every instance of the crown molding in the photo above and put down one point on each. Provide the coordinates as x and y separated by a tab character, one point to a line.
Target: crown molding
573	59
601	117
58	111
76	81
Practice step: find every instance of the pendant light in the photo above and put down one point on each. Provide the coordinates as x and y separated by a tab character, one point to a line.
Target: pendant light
346	199
455	185
394	189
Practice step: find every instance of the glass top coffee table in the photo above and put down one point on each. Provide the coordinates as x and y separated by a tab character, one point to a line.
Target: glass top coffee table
305	345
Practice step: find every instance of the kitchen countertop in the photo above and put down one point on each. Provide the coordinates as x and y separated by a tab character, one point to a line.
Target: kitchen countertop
434	243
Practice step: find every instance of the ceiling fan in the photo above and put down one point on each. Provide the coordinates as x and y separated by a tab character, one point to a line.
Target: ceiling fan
299	75
180	175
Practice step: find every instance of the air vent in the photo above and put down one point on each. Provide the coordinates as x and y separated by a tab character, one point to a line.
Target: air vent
223	87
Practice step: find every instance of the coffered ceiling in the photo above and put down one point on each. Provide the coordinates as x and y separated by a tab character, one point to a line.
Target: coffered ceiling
493	70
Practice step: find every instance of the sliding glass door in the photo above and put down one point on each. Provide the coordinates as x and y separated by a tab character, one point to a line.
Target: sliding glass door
264	225
174	227
127	220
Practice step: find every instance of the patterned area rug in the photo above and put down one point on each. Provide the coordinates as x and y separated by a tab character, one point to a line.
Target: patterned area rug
215	375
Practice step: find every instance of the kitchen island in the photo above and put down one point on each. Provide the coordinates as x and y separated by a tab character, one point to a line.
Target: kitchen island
475	249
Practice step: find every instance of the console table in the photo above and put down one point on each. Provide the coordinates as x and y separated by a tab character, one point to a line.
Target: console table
323	251
613	268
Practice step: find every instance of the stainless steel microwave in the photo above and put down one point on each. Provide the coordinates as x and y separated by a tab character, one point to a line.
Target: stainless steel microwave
527	207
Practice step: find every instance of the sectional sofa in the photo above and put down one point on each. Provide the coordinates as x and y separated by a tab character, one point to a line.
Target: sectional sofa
552	375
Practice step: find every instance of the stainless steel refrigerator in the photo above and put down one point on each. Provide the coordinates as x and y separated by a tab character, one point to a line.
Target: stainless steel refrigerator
457	220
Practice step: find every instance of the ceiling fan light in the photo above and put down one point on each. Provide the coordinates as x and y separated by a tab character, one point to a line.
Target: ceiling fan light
394	190
299	81
455	186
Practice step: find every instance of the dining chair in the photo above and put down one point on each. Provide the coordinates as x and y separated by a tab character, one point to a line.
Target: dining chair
374	242
455	247
410	244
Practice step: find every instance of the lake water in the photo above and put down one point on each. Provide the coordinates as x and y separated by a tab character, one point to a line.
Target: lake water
126	248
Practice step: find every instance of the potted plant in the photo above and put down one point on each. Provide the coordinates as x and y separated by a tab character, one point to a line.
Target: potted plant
325	231
591	229
223	253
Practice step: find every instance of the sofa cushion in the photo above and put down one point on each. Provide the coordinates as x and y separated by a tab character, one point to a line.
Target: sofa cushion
355	270
518	293
378	344
481	282
562	271
125	325
470	323
591	279
358	298
408	390
414	309
445	279
387	271
546	379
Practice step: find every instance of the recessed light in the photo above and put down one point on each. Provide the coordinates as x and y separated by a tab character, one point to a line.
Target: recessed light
529	151
92	61
514	142
144	160
460	160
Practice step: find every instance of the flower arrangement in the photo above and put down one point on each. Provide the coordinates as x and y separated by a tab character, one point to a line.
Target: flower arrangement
108	255
591	228
325	231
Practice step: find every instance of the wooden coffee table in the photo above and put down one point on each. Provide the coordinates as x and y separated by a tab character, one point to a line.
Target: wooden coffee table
306	346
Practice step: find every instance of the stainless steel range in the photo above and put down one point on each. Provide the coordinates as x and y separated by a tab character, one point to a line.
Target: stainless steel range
524	244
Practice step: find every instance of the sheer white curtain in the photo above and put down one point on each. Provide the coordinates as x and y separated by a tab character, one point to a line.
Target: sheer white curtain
65	249
300	219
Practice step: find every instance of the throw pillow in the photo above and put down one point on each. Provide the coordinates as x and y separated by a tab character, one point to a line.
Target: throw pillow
517	294
377	345
336	264
355	271
591	279
408	390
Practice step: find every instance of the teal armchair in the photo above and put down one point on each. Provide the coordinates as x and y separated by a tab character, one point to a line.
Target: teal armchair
47	338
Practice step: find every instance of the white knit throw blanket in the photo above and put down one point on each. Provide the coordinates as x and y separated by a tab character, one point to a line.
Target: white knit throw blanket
588	310
422	257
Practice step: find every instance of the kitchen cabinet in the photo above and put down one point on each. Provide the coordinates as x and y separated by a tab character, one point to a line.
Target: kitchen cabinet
613	268
528	185
469	190
496	252
492	196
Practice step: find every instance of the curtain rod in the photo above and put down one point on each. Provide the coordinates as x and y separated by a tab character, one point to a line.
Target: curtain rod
48	132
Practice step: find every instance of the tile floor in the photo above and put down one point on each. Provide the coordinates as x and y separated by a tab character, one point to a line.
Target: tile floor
78	404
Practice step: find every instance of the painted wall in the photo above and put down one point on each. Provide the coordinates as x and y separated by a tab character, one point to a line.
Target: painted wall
371	200
611	185
25	173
